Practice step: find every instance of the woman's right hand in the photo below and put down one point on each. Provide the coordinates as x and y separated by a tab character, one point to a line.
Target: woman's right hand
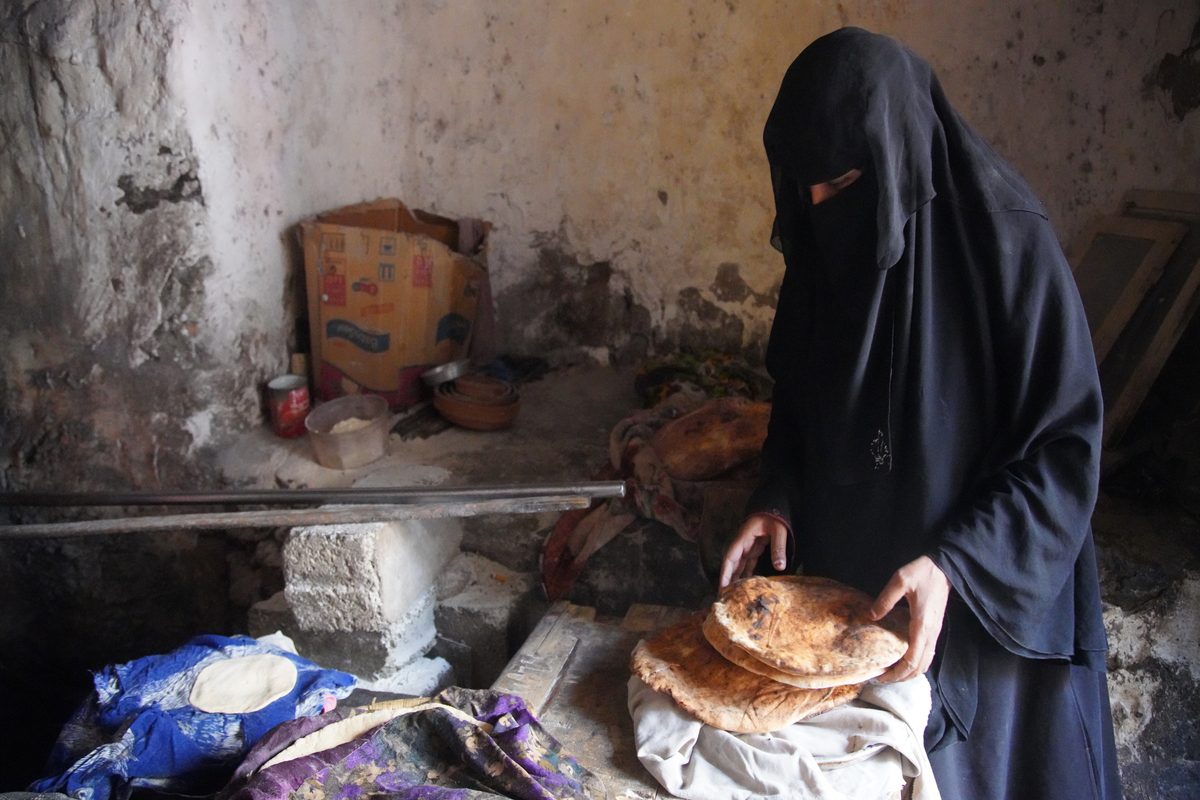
757	533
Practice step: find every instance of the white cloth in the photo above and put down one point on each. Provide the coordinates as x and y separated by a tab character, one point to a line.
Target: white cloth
859	751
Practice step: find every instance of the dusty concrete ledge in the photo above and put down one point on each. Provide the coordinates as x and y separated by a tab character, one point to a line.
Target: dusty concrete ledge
560	434
488	608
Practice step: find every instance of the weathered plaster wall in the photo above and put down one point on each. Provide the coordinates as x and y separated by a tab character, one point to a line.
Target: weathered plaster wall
1150	578
617	145
159	151
124	349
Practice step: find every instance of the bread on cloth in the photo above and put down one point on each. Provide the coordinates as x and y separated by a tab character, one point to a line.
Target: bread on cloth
806	631
716	437
681	663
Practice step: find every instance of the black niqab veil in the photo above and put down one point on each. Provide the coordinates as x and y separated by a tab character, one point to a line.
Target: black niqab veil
936	389
855	100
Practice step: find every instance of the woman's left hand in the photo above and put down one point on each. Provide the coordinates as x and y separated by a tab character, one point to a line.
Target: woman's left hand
927	589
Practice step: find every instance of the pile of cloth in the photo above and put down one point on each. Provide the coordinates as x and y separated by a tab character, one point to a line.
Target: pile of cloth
237	717
460	744
698	435
181	721
671	456
770	693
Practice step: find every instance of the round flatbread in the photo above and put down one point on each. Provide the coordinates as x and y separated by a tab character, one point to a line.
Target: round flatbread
681	663
243	684
716	637
713	439
814	629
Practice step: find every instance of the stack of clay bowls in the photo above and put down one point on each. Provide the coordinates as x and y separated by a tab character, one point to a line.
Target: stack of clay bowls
477	402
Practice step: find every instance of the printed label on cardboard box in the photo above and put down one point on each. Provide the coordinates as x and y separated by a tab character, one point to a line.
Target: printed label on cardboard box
370	341
333	290
454	328
389	297
422	271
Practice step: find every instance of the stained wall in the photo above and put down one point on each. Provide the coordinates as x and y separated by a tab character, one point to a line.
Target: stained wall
616	146
156	155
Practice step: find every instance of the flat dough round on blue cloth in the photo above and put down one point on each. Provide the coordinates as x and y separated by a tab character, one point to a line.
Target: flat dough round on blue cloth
242	685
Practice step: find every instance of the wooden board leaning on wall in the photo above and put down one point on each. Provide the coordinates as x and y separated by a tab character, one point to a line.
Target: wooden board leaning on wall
1132	354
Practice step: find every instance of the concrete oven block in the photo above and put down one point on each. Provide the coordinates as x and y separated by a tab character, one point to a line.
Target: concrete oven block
458	655
364	577
369	655
487	607
424	677
270	615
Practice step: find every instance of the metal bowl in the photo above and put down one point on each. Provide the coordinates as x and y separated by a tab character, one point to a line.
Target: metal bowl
477	414
362	443
446	372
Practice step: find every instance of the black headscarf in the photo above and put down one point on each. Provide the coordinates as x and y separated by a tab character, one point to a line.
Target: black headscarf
857	100
936	389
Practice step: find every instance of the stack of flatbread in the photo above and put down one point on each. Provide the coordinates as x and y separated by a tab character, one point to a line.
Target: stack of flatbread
771	652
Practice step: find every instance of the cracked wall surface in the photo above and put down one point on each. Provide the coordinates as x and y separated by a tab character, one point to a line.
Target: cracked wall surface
628	135
1150	579
159	153
124	355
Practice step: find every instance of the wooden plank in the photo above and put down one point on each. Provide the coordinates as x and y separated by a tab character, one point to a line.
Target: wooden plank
1115	262
1137	357
589	712
1169	205
572	671
534	672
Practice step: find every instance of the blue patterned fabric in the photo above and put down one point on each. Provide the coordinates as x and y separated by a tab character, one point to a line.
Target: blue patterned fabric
138	729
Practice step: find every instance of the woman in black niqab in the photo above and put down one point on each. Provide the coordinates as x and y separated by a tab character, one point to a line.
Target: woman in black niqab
935	434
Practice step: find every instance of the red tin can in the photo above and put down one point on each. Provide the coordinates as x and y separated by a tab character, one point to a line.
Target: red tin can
287	396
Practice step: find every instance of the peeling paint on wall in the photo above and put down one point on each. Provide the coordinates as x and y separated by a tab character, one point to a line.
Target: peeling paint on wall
140	199
1178	75
117	323
570	308
162	151
730	287
701	324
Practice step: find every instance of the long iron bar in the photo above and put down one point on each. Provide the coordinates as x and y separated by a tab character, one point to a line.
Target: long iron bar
281	518
266	497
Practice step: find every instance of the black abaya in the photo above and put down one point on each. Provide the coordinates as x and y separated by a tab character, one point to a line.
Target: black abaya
936	394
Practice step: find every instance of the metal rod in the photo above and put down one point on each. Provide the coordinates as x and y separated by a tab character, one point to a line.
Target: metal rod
329	515
266	497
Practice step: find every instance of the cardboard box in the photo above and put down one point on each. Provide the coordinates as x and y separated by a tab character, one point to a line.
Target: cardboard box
391	293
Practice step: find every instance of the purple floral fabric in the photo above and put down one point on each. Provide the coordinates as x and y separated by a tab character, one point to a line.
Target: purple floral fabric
496	747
